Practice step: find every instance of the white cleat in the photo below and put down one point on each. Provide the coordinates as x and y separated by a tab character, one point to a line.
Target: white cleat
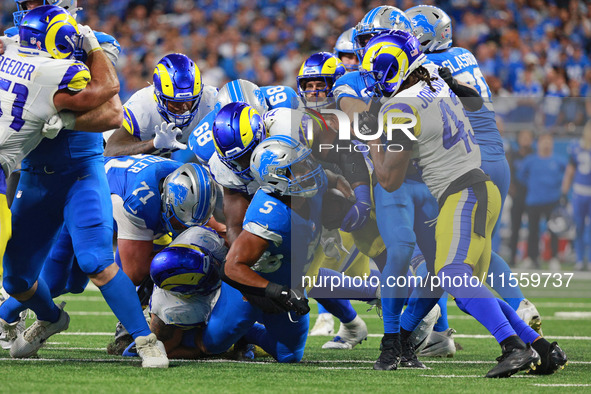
420	334
324	325
152	352
528	312
349	335
439	344
10	331
31	340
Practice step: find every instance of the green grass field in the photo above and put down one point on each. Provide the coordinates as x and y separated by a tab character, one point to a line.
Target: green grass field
76	361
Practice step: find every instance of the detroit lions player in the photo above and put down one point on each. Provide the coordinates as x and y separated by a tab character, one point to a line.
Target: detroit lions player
449	157
156	115
344	50
432	27
578	174
283	219
80	178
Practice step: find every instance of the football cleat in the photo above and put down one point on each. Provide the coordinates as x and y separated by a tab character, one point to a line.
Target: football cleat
391	352
553	360
439	344
324	325
513	361
528	312
349	335
152	352
122	341
32	339
422	332
408	358
9	331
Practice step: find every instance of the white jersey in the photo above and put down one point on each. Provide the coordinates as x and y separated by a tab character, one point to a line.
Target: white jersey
141	116
189	311
28	83
446	148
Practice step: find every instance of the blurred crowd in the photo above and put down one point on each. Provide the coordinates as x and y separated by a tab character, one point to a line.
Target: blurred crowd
534	53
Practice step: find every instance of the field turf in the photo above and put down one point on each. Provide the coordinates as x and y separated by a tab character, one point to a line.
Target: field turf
76	361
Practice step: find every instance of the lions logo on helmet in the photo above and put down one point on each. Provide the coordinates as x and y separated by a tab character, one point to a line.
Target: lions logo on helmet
237	130
379	19
284	166
51	29
177	89
186	270
389	59
324	68
431	26
189	195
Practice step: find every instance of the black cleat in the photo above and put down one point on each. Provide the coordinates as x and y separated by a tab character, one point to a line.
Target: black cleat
513	361
552	360
391	352
409	359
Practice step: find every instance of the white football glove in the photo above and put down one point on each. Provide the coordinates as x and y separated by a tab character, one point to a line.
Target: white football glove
61	120
89	43
166	135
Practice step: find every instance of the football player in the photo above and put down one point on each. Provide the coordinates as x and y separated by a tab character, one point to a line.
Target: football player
171	108
578	175
283	219
80	179
449	158
344	50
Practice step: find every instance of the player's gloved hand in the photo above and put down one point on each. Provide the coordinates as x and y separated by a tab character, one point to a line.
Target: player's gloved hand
59	121
89	41
357	216
445	74
166	135
287	299
368	123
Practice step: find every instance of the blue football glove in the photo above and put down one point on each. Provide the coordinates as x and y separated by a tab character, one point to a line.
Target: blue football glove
359	212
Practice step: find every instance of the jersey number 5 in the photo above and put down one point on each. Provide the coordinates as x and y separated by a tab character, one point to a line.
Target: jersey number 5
268	207
18	104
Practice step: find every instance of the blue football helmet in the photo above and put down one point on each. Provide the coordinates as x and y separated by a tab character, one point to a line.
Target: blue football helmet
390	57
321	66
177	79
189	195
345	45
431	26
285	166
51	29
186	270
237	130
244	91
379	19
69	5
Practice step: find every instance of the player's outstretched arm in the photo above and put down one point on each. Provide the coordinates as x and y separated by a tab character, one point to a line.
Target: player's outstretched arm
122	143
243	254
136	257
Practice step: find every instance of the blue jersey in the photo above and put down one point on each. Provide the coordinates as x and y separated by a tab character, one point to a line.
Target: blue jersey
201	139
464	68
580	158
289	234
351	85
542	177
136	179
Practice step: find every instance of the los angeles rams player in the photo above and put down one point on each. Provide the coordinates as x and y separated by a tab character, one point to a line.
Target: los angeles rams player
449	157
578	175
432	27
186	274
38	188
283	219
171	108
